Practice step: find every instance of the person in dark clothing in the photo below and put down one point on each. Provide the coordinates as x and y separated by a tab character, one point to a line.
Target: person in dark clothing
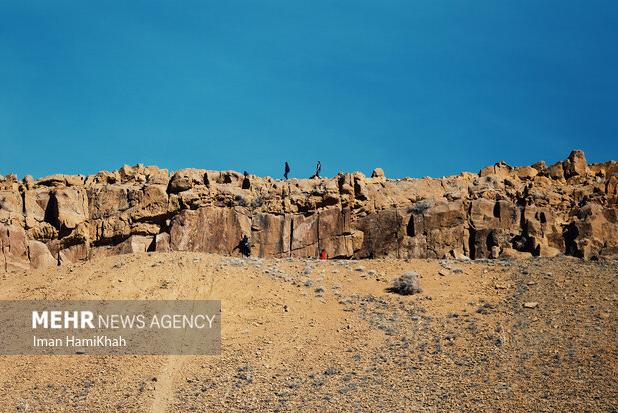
246	183
286	170
244	246
318	169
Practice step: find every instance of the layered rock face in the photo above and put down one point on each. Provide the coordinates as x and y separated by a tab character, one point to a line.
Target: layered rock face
566	208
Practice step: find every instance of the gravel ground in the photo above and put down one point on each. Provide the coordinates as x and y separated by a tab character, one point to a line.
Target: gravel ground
301	335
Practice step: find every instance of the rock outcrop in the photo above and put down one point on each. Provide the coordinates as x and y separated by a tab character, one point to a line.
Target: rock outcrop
566	208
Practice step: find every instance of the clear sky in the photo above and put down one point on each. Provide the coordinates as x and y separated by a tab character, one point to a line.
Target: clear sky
418	87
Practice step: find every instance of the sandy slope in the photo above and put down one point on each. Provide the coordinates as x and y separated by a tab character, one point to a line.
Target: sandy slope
327	336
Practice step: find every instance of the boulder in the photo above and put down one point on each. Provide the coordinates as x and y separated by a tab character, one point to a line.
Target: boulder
52	180
526	172
556	171
150	203
540	166
107	201
11	204
361	190
346	184
69	207
575	165
109	231
156	176
35	203
162	242
74	253
74	180
593	233
500	169
104	177
377	173
28	181
40	256
185	179
132	174
136	243
547	251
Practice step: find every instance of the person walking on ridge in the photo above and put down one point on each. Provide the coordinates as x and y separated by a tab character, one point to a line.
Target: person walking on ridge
318	169
286	170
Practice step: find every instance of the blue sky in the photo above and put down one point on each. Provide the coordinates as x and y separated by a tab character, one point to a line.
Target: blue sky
418	87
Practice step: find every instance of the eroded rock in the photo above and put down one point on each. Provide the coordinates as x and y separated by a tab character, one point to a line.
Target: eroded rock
569	208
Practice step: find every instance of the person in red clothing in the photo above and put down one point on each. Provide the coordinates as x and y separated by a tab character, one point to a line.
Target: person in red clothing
323	255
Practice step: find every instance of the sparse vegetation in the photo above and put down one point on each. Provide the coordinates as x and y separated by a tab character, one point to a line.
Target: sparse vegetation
407	284
240	200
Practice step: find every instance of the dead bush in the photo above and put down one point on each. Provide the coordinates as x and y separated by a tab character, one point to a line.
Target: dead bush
407	284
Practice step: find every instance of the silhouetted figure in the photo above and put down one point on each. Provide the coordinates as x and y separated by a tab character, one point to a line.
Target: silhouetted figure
286	170
244	247
318	169
246	183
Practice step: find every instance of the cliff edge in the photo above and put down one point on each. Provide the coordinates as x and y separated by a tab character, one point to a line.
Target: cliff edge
569	208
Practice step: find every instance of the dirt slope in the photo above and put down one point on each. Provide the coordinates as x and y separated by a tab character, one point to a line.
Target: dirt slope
303	335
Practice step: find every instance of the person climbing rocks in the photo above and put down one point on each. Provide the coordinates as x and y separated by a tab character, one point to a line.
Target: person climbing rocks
318	169
286	170
244	246
323	255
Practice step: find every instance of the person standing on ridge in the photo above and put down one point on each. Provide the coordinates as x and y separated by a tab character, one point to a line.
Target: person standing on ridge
286	170
318	169
246	183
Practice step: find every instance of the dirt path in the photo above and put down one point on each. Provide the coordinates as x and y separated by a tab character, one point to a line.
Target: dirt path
172	368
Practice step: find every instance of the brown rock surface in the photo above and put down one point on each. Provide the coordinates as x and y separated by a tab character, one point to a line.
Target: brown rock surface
567	208
40	256
211	229
14	247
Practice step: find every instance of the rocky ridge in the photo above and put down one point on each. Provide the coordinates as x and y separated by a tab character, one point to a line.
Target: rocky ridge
568	208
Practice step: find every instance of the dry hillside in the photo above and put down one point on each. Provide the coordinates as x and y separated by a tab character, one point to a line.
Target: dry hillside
304	335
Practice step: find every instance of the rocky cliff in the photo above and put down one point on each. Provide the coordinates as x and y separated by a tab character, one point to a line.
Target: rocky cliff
566	208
